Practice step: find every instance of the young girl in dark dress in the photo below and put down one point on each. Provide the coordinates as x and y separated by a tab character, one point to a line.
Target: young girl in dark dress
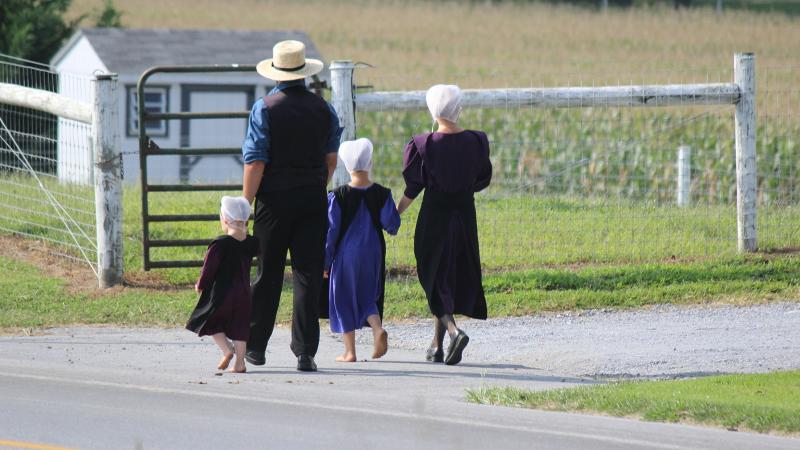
223	310
450	164
355	251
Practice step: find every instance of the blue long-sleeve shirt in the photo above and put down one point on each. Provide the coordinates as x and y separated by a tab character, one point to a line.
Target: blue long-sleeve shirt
256	142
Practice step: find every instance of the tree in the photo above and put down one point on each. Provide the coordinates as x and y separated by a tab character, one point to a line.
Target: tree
109	16
34	29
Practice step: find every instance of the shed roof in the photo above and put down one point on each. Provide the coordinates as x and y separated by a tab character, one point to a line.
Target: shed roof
130	50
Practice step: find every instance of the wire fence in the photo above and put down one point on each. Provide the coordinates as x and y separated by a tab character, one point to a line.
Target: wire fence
46	166
600	184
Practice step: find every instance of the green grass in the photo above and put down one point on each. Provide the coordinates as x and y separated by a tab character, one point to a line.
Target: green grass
763	403
737	281
517	232
31	299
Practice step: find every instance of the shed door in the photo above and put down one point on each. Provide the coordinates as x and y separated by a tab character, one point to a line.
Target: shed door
214	133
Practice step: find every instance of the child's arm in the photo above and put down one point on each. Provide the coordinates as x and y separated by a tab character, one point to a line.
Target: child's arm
413	175
485	171
390	217
334	223
210	266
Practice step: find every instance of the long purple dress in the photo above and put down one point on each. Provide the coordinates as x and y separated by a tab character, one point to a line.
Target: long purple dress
355	264
450	168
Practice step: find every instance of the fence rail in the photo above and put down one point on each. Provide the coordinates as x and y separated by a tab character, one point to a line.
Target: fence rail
574	97
741	93
60	169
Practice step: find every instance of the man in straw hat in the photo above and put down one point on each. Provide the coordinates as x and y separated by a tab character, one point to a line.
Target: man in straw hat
289	154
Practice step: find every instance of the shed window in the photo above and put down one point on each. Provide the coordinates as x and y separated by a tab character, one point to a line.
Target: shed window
155	101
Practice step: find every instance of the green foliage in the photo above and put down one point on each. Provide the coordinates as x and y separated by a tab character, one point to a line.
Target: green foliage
761	402
34	29
109	17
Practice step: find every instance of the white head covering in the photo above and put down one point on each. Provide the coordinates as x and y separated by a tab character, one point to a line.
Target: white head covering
356	155
235	209
444	101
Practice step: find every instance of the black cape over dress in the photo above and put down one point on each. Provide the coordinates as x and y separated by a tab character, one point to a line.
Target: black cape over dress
446	242
210	299
349	200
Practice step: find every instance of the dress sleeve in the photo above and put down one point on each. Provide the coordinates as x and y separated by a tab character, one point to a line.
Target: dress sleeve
210	266
390	218
484	164
334	223
413	171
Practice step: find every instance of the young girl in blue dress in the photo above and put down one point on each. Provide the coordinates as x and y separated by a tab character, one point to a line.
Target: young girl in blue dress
355	250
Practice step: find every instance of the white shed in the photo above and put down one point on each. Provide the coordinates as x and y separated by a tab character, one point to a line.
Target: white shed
128	53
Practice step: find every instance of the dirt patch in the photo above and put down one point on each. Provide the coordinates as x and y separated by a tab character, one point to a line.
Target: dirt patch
782	251
78	275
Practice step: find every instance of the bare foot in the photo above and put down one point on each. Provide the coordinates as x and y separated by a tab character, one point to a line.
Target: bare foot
381	344
225	361
347	357
238	368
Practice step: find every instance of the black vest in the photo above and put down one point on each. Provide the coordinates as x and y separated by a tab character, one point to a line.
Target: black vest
299	128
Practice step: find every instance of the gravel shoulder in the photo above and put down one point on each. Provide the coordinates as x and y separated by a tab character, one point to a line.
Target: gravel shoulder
657	342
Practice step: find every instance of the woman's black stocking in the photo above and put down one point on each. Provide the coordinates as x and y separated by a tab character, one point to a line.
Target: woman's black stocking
449	323
438	334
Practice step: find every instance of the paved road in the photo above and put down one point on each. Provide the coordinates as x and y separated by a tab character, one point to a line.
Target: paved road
112	388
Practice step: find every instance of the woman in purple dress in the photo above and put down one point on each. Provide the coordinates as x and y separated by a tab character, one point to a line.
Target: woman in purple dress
450	164
223	310
355	250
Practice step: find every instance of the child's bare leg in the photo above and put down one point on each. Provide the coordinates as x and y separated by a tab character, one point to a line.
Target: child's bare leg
349	355
227	350
241	348
379	336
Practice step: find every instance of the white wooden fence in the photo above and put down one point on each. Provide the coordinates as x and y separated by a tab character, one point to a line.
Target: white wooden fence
101	114
740	92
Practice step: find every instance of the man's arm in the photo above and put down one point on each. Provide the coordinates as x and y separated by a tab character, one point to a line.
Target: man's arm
253	173
255	150
334	138
331	159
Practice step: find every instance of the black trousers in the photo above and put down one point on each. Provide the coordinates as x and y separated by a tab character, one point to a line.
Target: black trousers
296	221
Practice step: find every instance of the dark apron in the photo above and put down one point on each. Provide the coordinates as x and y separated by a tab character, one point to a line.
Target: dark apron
447	252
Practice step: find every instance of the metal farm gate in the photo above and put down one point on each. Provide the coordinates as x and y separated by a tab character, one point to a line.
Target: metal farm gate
149	149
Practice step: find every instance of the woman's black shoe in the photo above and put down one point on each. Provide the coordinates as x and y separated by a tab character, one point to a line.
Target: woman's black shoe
457	345
434	354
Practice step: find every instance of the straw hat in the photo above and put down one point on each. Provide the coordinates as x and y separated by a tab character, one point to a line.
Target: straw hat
288	63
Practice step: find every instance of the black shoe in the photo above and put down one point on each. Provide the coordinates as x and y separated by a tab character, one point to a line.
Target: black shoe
255	358
434	354
457	345
306	363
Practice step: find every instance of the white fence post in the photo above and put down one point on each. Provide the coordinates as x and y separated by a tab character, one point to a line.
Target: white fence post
684	175
342	101
107	179
745	77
